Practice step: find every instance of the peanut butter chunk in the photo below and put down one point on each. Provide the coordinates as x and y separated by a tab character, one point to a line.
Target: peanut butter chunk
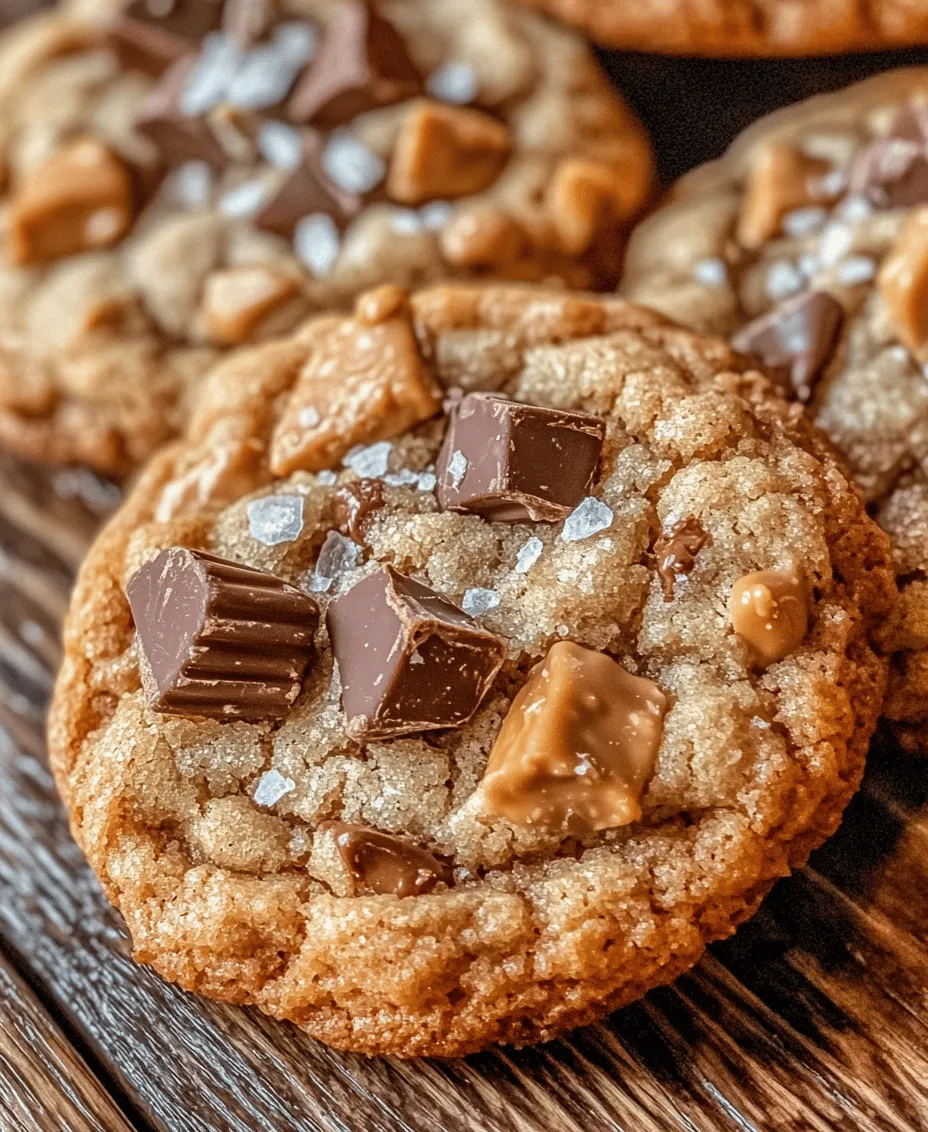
361	383
582	197
782	179
446	151
79	200
577	746
769	609
903	282
236	301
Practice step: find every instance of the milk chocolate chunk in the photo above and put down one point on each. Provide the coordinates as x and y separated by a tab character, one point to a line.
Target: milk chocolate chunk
512	462
408	659
578	745
795	341
307	189
383	864
217	638
354	502
178	136
770	610
362	63
892	172
676	552
150	35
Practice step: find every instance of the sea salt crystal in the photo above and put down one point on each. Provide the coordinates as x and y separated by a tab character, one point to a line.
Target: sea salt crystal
372	461
244	200
271	787
457	466
477	601
427	481
782	279
713	272
807	264
455	81
351	165
833	184
834	244
436	214
589	517
337	556
208	83
280	144
295	41
326	478
855	209
309	417
406	477
193	183
406	221
528	555
276	518
856	269
802	221
317	243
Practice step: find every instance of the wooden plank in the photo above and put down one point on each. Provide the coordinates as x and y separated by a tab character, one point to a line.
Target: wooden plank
813	1017
44	1083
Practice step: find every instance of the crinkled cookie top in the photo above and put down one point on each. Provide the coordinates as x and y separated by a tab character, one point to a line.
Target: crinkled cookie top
808	243
190	176
618	703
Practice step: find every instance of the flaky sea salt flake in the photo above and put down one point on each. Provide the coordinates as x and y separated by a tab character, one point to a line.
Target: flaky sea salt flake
528	555
317	243
351	165
711	271
371	461
457	467
589	517
275	519
337	556
271	787
280	144
478	600
455	82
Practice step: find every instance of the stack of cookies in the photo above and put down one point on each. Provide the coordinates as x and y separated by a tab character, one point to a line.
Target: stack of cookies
470	648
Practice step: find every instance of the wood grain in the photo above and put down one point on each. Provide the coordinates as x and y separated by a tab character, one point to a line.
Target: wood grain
815	1016
44	1083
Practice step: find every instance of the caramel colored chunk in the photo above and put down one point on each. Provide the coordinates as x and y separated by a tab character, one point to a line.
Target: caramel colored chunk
362	383
380	303
903	282
236	301
80	199
446	151
578	745
676	552
769	609
782	179
482	236
582	197
383	864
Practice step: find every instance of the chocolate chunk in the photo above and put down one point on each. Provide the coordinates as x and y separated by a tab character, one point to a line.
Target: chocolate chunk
409	660
247	22
179	137
362	63
770	610
892	172
384	864
512	462
307	189
217	638
150	35
795	341
354	502
676	552
578	745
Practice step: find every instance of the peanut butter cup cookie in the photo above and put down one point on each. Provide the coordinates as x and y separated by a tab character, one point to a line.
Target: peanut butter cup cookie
186	176
745	27
808	245
471	664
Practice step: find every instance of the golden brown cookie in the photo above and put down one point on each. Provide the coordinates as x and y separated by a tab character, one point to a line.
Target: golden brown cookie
744	27
807	245
476	719
182	178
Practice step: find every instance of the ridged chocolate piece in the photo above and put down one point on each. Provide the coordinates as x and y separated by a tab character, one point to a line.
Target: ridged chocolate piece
383	864
362	63
219	639
408	660
512	462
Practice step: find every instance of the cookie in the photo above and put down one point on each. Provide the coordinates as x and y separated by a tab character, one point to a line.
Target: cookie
806	245
466	700
187	177
744	27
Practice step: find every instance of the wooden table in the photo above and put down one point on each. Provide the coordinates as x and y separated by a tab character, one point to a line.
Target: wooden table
814	1017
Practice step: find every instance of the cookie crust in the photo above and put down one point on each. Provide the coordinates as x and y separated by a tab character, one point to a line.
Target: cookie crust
536	936
870	398
743	27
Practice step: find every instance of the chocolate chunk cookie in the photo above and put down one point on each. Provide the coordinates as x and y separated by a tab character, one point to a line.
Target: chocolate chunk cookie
808	245
422	760
745	27
187	176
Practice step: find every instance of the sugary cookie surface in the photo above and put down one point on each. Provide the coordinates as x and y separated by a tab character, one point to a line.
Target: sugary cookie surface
183	177
807	245
553	733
